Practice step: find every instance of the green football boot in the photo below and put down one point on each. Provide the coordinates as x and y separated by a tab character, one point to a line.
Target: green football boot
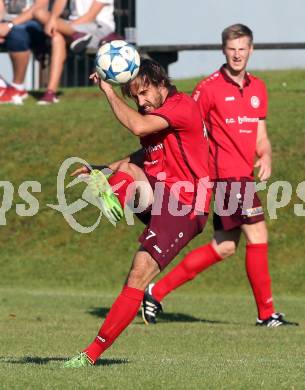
108	202
78	361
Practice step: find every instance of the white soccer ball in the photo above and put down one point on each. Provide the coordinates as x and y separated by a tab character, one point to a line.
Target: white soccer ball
117	62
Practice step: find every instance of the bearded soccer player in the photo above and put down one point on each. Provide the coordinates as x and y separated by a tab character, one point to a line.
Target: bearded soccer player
233	105
174	152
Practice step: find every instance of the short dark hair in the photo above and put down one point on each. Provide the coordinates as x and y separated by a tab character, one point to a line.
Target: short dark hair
150	72
236	31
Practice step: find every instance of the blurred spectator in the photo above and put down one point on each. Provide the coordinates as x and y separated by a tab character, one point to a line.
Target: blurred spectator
2	11
90	21
20	35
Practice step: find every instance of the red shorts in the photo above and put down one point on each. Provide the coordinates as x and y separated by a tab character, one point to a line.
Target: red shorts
166	234
236	204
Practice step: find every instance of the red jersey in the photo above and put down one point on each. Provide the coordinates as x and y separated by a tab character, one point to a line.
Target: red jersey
231	115
181	150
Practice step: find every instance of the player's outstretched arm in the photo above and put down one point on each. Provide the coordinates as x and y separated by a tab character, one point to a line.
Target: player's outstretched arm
138	124
263	152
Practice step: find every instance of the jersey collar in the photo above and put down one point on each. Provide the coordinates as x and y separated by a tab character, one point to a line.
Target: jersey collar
227	78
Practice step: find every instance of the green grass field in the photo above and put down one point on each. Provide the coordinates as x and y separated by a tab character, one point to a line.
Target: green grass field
56	284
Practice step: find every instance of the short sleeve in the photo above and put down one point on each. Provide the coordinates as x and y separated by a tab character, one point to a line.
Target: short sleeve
202	97
263	109
176	111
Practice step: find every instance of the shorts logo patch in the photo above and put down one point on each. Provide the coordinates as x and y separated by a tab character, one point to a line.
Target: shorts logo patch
255	102
157	248
150	235
229	98
253	212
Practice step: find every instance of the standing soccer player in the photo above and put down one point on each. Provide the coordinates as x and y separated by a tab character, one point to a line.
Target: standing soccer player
233	105
174	159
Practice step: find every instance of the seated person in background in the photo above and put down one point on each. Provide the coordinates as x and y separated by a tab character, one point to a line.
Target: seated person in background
20	34
2	13
90	21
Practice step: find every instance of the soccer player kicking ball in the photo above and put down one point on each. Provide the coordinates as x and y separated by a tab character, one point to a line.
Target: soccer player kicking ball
233	105
174	155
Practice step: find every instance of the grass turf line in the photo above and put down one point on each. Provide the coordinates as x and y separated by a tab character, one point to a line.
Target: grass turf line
198	343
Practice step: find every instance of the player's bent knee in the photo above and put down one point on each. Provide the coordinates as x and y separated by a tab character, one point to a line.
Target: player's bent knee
137	279
142	274
125	167
129	168
226	249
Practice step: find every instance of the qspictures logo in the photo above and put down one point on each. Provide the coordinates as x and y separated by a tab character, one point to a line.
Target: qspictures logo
279	195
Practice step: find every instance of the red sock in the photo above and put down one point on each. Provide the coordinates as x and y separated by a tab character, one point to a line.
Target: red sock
120	180
193	263
258	275
122	312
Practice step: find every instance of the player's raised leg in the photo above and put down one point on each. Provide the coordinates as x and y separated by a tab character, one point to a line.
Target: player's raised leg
114	191
128	180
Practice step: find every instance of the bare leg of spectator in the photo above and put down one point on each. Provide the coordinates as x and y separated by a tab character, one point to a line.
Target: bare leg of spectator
20	62
58	59
62	26
58	55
